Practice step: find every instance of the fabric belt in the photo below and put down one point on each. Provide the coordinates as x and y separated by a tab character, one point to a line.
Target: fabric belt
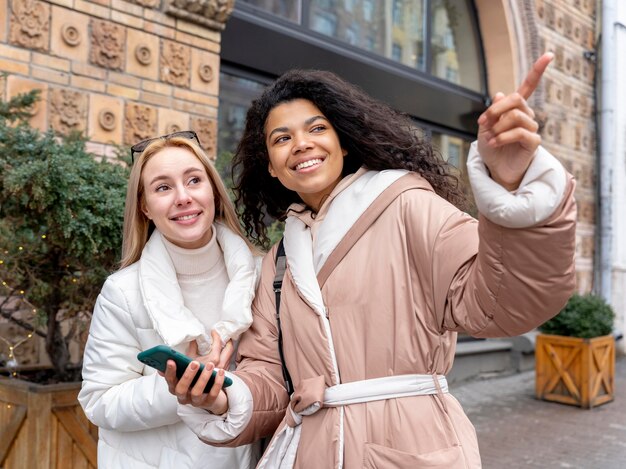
281	453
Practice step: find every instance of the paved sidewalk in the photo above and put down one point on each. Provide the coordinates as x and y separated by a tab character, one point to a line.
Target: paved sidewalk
515	430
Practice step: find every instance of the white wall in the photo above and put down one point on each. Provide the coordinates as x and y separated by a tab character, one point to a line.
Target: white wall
619	175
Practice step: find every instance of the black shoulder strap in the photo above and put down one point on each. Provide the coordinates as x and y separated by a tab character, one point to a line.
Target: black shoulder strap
281	267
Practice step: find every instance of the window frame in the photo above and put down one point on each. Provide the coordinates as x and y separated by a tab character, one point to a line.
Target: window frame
269	45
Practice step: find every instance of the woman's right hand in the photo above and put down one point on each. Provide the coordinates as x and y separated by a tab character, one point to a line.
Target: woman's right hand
215	401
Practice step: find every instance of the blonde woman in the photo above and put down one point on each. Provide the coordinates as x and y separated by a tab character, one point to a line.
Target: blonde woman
187	280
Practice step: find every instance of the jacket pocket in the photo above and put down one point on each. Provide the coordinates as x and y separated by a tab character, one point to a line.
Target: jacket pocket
379	457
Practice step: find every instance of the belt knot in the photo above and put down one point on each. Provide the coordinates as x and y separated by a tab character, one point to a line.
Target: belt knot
307	399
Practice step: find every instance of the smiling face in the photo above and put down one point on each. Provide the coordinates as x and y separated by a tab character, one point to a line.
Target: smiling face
178	197
304	150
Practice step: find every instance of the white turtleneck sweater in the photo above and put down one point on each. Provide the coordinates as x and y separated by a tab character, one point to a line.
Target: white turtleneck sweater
203	278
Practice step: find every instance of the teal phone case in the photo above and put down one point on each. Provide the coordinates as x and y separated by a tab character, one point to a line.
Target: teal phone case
157	357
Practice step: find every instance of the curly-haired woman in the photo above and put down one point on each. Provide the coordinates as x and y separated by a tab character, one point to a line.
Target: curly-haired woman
382	272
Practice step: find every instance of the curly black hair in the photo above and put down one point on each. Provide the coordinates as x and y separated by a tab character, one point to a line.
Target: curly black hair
374	135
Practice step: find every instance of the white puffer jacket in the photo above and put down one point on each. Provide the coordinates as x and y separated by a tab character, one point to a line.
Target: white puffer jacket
139	307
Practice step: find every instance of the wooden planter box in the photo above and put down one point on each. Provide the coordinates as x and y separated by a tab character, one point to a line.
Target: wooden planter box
44	427
575	371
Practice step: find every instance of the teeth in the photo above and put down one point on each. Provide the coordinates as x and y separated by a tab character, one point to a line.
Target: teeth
308	164
186	217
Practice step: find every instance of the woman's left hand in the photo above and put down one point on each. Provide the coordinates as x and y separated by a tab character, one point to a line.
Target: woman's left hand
507	134
220	354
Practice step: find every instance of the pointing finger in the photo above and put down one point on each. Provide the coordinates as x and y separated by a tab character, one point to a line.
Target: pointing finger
533	78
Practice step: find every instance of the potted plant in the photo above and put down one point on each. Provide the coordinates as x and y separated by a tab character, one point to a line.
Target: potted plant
575	354
61	214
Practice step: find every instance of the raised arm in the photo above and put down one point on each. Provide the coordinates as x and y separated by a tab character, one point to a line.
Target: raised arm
507	134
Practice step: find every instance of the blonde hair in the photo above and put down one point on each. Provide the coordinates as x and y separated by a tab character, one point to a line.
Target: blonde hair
137	226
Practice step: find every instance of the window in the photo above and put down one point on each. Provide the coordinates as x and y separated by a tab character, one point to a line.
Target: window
236	95
368	10
423	57
396	52
397	11
454	58
367	27
288	9
325	23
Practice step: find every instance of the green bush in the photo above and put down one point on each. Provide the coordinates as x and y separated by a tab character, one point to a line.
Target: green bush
584	316
61	215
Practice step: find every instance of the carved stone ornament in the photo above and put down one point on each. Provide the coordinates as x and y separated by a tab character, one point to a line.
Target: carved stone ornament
206	72
68	110
30	24
143	54
107	119
70	35
140	123
171	128
207	134
210	13
175	60
107	45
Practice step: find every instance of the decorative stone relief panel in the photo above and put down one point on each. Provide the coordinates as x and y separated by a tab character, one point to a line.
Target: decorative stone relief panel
205	71
142	54
210	13
172	121
140	123
205	68
30	24
175	64
586	214
68	110
39	111
69	34
105	118
584	280
553	131
107	44
587	247
207	133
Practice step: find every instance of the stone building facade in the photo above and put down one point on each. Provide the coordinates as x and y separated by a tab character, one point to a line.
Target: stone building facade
122	71
119	71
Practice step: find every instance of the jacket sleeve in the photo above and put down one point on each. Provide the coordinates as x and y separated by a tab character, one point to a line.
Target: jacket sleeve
494	281
258	399
115	393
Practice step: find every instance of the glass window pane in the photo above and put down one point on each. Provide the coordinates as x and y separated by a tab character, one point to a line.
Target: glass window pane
288	9
455	55
236	95
454	150
392	29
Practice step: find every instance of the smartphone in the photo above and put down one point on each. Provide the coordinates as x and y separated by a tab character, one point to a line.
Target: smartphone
157	357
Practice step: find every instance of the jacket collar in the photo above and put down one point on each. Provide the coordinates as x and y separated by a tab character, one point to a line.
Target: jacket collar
304	258
163	299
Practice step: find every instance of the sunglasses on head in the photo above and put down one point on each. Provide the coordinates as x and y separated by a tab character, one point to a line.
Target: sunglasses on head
139	147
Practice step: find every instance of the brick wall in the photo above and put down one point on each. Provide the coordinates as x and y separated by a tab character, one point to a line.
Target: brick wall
568	28
119	71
